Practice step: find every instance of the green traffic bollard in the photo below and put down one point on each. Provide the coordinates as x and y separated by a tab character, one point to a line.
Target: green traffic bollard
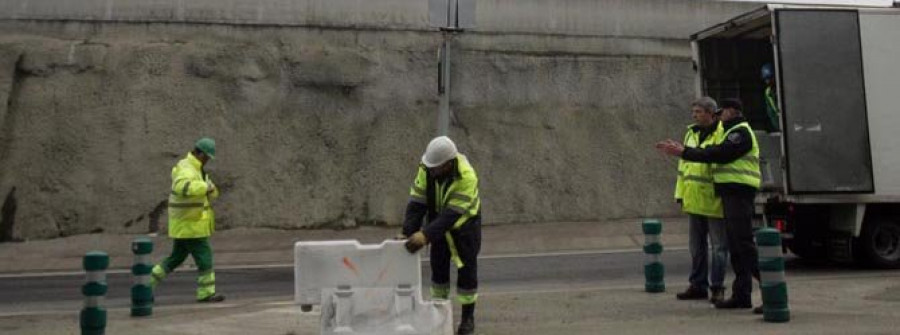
93	315
141	292
654	271
772	280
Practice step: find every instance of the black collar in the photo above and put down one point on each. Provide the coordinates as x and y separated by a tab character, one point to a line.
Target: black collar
733	122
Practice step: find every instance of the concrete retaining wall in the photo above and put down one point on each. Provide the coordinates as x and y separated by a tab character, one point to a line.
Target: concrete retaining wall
322	125
632	18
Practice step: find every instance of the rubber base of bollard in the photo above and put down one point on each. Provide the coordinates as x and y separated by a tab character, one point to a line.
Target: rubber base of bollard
142	311
776	315
774	294
93	331
654	288
93	318
141	295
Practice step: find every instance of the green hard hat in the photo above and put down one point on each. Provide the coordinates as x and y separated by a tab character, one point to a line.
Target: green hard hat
207	146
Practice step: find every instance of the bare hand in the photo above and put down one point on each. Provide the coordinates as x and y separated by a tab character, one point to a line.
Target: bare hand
670	147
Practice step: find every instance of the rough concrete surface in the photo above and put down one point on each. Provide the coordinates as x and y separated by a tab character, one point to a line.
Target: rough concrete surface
645	18
318	127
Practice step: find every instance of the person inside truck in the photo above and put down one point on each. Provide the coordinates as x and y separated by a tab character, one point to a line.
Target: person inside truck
768	77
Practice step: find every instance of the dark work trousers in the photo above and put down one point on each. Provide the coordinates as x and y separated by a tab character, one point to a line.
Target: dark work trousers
468	244
738	210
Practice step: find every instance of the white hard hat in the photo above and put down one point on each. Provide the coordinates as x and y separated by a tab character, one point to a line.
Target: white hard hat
439	151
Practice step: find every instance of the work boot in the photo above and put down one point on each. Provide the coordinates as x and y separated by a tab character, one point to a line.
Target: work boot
213	298
466	327
467	324
734	303
758	309
717	294
693	293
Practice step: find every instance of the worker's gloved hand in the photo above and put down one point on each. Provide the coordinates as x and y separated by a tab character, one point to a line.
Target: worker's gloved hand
210	187
399	237
416	242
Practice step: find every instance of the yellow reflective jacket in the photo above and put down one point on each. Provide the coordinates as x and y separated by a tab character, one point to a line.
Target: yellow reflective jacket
695	180
744	170
190	213
460	195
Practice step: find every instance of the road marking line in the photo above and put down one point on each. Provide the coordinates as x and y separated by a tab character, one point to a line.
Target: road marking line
124	309
291	265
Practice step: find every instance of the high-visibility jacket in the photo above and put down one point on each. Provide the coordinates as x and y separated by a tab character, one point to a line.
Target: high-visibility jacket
695	186
190	213
744	170
458	194
771	108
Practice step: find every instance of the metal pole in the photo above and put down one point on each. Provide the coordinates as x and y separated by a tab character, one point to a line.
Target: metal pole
443	125
444	111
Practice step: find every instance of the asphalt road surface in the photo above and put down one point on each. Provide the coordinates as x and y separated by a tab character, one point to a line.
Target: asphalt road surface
36	293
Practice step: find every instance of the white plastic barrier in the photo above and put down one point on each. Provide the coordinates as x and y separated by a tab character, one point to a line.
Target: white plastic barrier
321	265
367	289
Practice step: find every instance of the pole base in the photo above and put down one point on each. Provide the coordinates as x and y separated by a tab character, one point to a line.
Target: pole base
142	311
655	287
776	315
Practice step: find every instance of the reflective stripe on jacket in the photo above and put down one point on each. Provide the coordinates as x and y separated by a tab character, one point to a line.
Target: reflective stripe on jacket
744	170
190	213
697	189
459	194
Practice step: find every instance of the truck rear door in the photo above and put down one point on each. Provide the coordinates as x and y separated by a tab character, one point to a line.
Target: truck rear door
823	104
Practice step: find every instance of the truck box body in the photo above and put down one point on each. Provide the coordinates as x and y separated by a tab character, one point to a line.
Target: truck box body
835	150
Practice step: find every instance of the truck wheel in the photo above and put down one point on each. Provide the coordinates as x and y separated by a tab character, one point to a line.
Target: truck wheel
878	243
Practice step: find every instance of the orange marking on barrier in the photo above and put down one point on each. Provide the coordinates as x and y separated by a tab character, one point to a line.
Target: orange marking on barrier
350	266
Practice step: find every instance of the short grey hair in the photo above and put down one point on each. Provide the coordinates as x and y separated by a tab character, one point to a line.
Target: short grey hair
707	103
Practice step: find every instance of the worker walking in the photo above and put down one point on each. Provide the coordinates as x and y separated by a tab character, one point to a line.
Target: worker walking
694	191
736	174
445	195
191	220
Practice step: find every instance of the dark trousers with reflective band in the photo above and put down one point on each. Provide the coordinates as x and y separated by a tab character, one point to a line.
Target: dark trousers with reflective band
738	210
468	244
201	251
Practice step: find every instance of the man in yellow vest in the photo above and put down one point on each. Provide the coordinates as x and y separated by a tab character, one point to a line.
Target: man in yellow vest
191	220
444	210
694	191
735	168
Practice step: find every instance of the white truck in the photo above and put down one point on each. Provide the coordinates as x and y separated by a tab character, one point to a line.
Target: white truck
831	168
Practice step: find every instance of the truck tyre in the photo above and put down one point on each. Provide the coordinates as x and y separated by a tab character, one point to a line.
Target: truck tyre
878	244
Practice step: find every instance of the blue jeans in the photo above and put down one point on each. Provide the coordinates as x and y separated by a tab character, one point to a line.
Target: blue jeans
701	227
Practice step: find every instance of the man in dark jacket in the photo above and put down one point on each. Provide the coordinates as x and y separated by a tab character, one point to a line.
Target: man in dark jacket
735	159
